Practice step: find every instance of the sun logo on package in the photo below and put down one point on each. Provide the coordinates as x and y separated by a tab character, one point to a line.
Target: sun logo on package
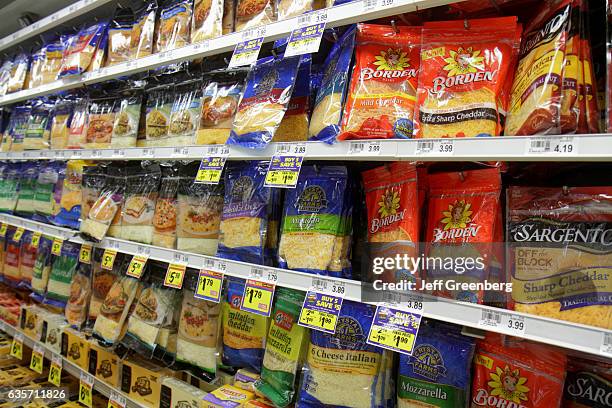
267	83
312	199
457	216
349	334
464	61
242	189
427	362
394	59
508	384
389	203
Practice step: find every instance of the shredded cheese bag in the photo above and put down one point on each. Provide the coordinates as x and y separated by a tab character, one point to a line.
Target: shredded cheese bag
536	92
383	87
207	19
393	211
81	49
460	225
294	126
173	26
559	252
571	67
461	83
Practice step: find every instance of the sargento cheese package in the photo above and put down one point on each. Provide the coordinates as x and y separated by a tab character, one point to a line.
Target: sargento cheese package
393	212
462	212
559	254
436	374
327	112
587	384
572	73
516	373
588	71
244	219
312	221
335	361
383	86
464	66
142	185
536	92
244	333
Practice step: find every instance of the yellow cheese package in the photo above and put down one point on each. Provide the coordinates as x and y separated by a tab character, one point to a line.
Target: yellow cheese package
70	203
60	121
143	30
104	363
179	394
253	13
120	36
207	20
173	25
227	396
19	73
75	347
81	49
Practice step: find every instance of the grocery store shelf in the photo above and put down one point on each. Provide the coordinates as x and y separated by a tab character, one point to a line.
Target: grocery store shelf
69	366
580	338
597	147
54	20
353	12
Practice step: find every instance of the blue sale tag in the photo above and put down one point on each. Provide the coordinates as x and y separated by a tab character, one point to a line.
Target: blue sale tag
305	40
394	329
246	52
320	311
283	171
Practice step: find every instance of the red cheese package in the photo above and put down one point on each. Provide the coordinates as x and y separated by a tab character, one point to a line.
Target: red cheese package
588	384
462	211
518	374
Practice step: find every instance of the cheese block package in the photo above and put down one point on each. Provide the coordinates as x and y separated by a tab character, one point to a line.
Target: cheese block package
572	75
62	272
9	187
461	83
587	384
536	92
27	188
382	93
244	219
60	120
227	396
462	212
558	256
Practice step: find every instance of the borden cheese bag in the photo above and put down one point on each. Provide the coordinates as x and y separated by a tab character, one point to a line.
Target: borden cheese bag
462	210
571	73
560	252
382	94
464	66
536	91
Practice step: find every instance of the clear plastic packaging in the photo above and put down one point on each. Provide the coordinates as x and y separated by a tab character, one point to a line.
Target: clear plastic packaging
120	36
173	25
165	216
207	20
253	13
138	208
143	30
128	107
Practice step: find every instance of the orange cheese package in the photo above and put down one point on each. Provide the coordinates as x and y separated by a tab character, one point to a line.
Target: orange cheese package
462	212
464	66
382	93
572	72
392	205
517	374
535	103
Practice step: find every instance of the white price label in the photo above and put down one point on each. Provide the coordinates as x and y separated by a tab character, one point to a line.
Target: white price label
117	400
201	46
364	148
218	150
57	359
142	250
374	4
561	146
254	33
165	54
118	153
606	344
294	149
435	147
179	258
148	152
331	287
96	153
180	151
87	378
265	275
507	323
214	265
312	18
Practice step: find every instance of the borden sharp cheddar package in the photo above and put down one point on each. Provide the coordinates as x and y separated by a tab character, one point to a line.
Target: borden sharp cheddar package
382	94
559	255
536	91
464	66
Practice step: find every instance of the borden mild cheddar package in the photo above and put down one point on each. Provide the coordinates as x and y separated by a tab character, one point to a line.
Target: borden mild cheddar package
536	92
559	255
464	66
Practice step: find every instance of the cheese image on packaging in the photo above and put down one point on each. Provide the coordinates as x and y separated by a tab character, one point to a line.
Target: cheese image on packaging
104	364
75	347
227	396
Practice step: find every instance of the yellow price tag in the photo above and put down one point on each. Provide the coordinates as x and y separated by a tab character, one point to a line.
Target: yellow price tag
318	319
392	338
85	389
18	234
210	170
282	177
85	254
55	374
136	266
17	347
3	229
56	246
209	286
175	275
35	239
36	363
108	259
257	297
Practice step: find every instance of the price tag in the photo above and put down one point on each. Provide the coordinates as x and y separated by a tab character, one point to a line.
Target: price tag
210	170
3	229
85	254
38	356
335	288
372	4
209	286
606	344
285	165
305	40
17	346
257	297
364	148
85	389
507	323
118	153
35	239
18	234
56	246
108	259
394	329
320	311
443	147
55	371
246	52
116	400
560	145
136	266
148	152
175	275
180	152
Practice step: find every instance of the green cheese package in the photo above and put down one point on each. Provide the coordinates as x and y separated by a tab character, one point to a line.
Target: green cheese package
285	349
9	186
63	269
42	268
27	188
47	191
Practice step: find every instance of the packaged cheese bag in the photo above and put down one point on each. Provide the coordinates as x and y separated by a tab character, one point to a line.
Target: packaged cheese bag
11	271
42	268
80	295
101	282
173	26
207	20
383	86
463	68
63	269
39	125
558	254
138	208
536	92
120	36
587	384
294	126
27	254
70	203
164	218
143	30
569	108
252	13
81	49
15	131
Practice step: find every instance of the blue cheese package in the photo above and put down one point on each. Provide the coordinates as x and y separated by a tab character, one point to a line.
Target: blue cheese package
327	112
333	361
244	219
437	373
81	49
13	137
312	226
266	95
42	267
